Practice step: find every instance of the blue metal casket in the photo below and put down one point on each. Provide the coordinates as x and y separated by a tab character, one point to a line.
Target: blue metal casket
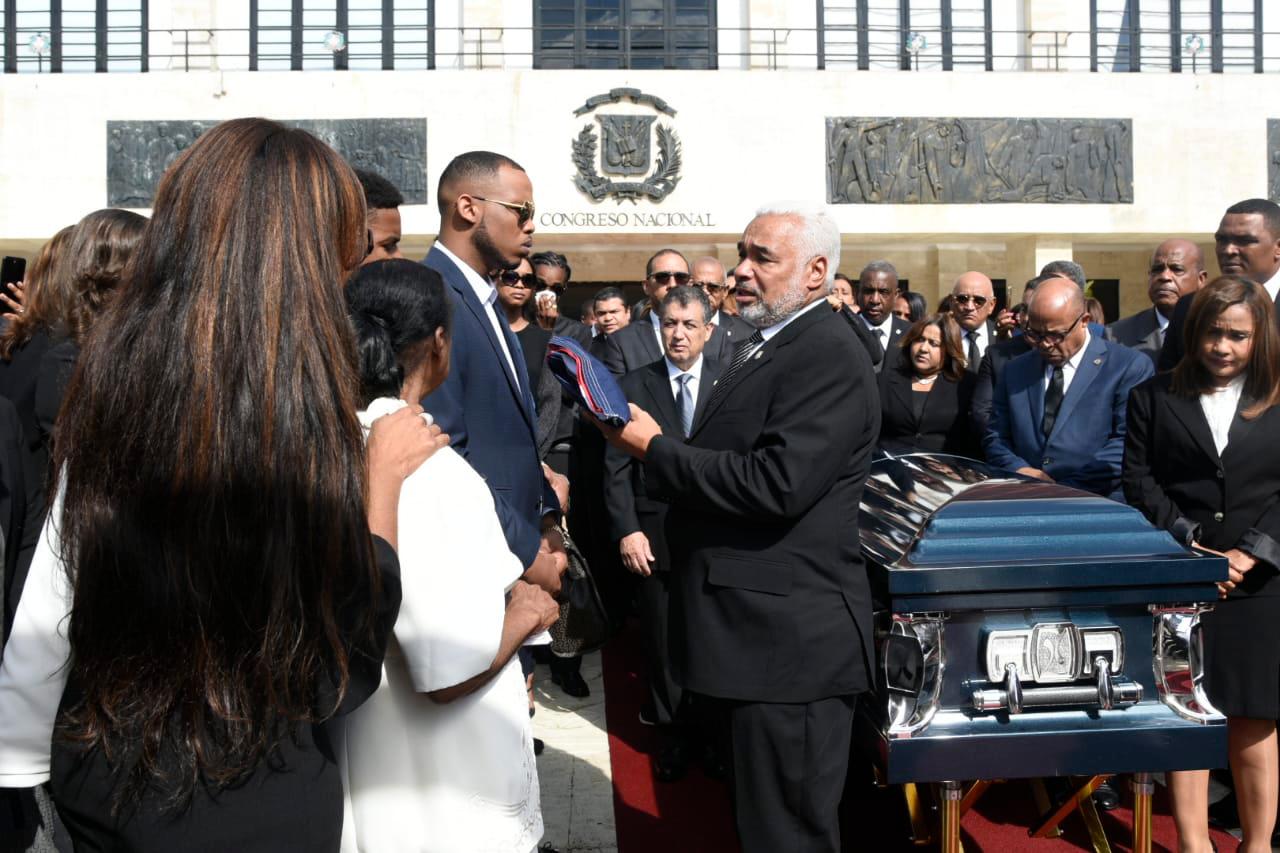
1026	629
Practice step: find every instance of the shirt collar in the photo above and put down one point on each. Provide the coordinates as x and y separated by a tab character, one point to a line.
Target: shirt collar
1073	363
483	288
978	333
715	319
695	370
1273	286
886	326
656	321
770	331
1162	322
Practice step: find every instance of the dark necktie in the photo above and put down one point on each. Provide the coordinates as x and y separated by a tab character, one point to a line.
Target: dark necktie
1052	401
974	358
741	353
684	404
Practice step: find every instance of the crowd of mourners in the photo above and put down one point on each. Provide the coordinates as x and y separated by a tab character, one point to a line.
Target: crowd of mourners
286	514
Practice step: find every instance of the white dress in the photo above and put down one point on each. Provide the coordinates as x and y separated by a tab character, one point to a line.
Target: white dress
457	777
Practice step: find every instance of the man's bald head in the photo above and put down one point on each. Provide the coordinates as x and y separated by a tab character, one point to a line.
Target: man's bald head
972	300
708	274
1057	324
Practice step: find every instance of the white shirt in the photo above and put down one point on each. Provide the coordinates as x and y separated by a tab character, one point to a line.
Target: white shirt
1273	286
981	338
715	319
1069	368
695	376
657	329
488	296
1219	407
883	332
1162	323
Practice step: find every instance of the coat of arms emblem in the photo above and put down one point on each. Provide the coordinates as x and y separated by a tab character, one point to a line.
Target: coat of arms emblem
627	151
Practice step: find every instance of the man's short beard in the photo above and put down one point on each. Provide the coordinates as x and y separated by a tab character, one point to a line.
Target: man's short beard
763	314
489	251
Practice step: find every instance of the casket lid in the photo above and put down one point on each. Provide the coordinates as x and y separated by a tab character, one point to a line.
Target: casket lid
937	523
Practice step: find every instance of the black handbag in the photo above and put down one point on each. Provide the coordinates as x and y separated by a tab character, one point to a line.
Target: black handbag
583	625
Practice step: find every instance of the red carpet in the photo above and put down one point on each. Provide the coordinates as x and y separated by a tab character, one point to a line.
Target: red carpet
693	815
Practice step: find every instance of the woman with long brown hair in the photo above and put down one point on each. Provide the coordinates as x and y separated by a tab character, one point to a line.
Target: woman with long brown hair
1200	461
211	539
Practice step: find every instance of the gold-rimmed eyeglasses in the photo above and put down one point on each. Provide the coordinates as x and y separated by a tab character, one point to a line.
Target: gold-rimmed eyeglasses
524	210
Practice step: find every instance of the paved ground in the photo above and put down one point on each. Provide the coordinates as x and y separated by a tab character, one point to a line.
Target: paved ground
577	784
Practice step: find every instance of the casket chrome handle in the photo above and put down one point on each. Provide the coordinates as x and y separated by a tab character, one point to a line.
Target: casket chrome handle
1108	693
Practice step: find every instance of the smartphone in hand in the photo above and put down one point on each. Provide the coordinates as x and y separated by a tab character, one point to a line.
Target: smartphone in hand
12	271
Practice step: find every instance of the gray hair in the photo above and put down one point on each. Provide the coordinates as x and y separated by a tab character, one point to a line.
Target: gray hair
1065	269
684	297
819	236
878	267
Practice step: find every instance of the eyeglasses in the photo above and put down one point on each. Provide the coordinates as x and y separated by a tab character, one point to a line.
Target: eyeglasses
711	286
511	278
662	277
524	210
966	298
1053	339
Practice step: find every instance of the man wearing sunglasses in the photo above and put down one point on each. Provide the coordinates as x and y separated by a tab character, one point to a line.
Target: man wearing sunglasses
972	301
486	404
727	330
1058	412
640	342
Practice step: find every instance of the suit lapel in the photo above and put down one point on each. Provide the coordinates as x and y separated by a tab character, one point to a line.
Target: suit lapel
648	341
1187	410
441	263
706	384
1091	364
899	386
658	384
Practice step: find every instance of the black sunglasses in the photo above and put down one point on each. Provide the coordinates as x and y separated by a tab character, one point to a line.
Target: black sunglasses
540	286
511	278
963	298
524	210
681	278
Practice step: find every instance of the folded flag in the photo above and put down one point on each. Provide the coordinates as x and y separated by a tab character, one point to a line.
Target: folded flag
587	381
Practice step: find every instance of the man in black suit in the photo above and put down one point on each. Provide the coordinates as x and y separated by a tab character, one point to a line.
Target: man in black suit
972	301
710	277
674	389
770	605
1247	244
1176	270
486	402
641	342
876	295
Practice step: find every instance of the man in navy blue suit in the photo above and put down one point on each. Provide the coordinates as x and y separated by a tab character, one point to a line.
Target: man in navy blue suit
1058	411
486	405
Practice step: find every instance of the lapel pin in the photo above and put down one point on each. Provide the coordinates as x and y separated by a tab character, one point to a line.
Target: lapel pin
1097	361
758	354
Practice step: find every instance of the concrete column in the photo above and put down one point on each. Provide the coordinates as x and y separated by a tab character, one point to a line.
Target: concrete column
1024	257
952	260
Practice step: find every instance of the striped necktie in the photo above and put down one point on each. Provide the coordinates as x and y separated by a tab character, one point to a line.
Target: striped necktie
741	353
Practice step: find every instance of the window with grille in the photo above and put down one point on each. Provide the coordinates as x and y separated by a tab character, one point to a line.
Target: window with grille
624	33
1176	35
73	35
358	34
950	35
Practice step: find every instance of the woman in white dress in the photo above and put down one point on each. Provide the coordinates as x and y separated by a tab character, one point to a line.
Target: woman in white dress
441	757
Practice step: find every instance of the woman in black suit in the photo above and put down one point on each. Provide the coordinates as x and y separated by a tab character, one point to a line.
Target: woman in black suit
1201	462
925	397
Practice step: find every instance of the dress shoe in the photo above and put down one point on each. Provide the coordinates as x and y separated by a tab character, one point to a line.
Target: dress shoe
1223	814
572	683
672	763
538	746
1106	797
648	714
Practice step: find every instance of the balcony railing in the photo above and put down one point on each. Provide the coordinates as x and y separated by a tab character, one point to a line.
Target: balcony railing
765	48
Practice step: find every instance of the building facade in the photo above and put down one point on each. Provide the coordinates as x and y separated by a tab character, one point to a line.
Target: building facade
945	135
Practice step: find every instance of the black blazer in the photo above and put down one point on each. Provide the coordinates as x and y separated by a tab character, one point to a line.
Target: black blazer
18	379
770	601
625	496
1140	331
1173	474
998	354
730	331
944	426
892	350
21	514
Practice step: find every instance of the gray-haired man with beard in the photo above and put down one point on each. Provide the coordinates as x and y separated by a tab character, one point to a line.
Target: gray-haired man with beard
770	609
